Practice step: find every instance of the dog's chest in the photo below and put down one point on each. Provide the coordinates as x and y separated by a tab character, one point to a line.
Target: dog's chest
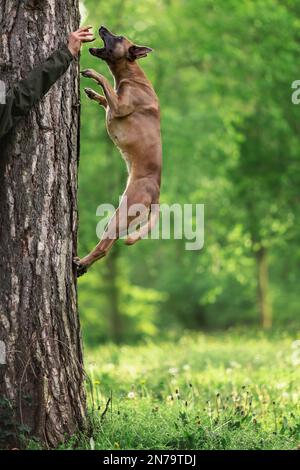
116	129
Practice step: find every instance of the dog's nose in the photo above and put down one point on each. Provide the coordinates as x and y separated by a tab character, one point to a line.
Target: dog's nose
102	30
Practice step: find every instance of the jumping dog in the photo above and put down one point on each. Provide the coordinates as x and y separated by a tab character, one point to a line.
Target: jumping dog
133	124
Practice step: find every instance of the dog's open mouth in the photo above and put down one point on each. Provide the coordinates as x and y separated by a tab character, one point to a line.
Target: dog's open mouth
101	52
109	39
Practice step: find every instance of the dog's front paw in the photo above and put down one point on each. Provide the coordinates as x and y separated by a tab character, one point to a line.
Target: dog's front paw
81	268
90	93
87	73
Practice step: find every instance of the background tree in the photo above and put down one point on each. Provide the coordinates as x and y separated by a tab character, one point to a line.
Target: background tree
42	383
223	73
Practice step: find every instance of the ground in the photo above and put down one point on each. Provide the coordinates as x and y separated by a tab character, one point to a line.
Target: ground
203	391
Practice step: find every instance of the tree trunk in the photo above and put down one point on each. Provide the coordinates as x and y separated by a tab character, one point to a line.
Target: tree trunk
264	305
42	383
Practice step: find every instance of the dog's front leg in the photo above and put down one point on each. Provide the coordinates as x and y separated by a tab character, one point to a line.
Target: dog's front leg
96	97
119	105
110	94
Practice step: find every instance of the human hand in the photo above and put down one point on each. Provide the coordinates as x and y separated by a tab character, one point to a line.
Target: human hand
83	34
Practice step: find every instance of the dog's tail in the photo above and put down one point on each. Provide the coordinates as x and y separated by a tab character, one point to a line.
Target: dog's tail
145	229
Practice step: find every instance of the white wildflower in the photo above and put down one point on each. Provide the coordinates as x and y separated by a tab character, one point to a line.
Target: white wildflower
281	385
235	365
295	358
296	344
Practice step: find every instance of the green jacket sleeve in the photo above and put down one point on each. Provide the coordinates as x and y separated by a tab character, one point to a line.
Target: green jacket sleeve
26	93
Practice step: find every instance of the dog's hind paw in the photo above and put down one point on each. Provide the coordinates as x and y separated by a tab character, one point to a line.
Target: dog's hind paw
81	269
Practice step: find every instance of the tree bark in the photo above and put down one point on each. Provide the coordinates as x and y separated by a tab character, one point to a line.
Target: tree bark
264	305
42	383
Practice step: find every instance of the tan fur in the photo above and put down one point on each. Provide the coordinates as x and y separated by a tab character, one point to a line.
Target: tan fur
133	124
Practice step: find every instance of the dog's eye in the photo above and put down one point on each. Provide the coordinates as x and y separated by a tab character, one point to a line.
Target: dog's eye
120	38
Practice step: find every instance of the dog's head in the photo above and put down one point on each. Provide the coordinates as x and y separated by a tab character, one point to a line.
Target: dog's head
118	48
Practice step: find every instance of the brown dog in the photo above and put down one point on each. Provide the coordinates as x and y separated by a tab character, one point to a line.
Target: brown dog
133	124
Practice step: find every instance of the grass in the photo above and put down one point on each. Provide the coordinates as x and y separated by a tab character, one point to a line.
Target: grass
226	391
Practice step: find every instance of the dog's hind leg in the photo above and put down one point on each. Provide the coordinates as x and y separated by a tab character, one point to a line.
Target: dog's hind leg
108	239
146	228
138	196
116	227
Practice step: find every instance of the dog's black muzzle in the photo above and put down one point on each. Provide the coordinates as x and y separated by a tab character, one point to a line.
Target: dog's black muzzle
109	40
108	37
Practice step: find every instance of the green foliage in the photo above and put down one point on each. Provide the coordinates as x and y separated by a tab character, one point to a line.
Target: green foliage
223	73
232	391
10	431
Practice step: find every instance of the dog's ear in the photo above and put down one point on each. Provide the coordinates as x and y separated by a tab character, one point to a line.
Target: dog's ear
137	52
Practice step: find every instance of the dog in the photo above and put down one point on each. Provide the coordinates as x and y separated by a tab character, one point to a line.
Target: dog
133	124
